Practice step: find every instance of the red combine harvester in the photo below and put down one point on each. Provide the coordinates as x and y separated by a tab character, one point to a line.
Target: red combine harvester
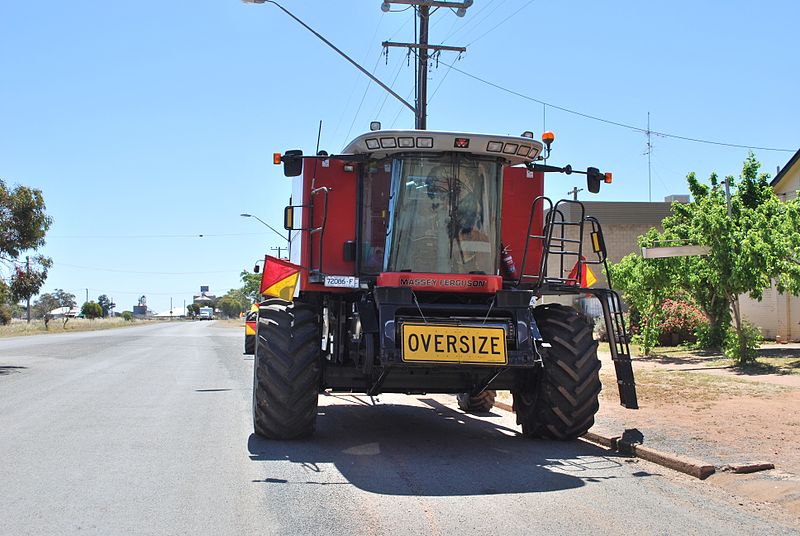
421	257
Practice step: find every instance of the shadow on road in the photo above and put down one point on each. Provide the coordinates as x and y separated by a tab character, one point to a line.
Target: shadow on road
430	451
8	369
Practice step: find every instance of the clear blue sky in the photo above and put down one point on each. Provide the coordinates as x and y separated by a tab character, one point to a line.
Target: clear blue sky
149	123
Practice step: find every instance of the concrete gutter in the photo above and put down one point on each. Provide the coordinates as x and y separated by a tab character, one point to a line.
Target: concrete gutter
689	466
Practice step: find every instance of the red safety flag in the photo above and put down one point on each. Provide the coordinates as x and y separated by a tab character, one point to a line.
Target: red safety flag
279	278
587	276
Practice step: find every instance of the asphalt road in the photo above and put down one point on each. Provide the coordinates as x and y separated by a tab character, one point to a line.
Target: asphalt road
147	430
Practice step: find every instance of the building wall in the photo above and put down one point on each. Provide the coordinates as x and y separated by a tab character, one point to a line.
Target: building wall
763	314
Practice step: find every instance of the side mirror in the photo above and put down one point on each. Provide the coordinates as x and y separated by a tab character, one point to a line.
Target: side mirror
292	163
593	178
288	218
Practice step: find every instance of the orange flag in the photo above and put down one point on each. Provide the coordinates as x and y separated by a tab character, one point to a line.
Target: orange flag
587	276
279	278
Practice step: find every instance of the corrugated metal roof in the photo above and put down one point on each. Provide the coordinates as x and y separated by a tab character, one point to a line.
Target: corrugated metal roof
623	212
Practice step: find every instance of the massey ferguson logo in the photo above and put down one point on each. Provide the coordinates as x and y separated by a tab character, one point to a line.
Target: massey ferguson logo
435	283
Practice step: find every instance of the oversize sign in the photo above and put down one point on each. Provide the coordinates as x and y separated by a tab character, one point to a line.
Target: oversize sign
454	344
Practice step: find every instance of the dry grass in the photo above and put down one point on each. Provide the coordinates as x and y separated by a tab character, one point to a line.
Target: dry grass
662	387
666	387
771	359
36	327
230	323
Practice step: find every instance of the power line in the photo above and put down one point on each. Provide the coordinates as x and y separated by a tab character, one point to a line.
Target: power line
615	123
490	30
198	235
114	270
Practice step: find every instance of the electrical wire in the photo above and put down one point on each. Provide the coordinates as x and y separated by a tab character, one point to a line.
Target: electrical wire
615	123
116	271
198	235
386	97
490	30
474	19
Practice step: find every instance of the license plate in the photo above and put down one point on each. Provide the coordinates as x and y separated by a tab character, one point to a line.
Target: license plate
454	344
342	281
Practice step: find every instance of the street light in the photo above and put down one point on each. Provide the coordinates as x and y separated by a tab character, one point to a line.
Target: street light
342	54
273	229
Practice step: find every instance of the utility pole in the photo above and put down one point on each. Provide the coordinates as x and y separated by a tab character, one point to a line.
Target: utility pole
649	151
279	249
727	184
28	269
87	294
423	9
574	193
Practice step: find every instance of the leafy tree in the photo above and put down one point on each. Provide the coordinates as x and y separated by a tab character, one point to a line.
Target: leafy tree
23	225
48	301
251	286
645	286
91	310
233	303
106	304
193	310
756	245
127	316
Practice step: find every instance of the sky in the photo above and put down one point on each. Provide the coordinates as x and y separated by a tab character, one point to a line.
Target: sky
149	126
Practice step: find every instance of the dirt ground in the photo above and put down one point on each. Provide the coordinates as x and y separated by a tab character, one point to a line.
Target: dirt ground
699	407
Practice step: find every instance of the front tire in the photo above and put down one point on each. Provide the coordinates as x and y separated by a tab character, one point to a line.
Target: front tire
286	375
561	400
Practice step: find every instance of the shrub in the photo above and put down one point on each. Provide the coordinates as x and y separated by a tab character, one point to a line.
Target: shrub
5	315
678	321
127	316
91	310
743	350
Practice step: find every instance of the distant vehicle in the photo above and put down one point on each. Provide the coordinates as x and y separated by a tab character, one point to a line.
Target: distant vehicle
206	313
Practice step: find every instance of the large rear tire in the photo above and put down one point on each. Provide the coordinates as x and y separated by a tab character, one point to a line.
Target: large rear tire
561	400
480	403
286	376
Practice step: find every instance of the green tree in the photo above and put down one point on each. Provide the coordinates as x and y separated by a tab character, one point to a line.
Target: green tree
251	286
127	316
24	223
48	301
192	310
757	245
233	303
91	310
106	304
645	285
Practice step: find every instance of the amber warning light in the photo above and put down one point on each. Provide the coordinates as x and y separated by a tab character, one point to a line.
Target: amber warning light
608	178
276	158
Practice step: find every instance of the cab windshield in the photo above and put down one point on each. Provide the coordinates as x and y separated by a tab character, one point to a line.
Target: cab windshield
443	214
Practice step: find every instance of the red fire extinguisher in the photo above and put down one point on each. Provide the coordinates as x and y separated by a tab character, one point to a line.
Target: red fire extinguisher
509	268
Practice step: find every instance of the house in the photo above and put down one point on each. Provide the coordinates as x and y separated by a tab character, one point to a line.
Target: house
61	312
